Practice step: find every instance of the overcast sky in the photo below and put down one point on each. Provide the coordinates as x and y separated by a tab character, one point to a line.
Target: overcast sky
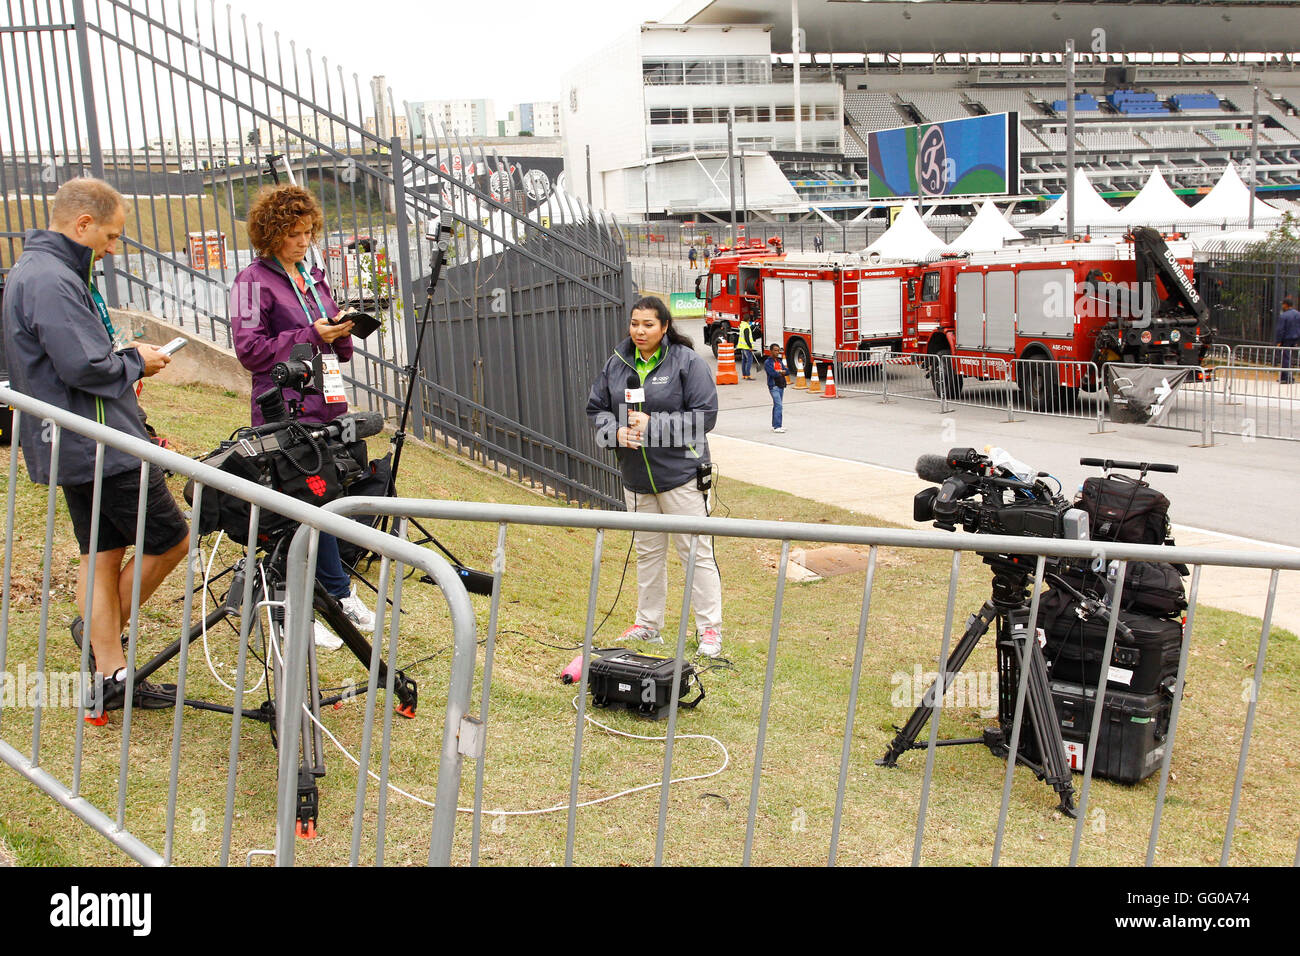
509	51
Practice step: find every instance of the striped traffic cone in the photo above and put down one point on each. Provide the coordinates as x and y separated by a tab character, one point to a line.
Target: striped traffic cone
727	364
830	383
814	385
799	380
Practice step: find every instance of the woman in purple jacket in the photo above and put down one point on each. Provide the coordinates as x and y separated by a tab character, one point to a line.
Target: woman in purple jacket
277	303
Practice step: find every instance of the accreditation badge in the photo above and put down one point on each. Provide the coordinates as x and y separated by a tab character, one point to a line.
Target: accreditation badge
332	379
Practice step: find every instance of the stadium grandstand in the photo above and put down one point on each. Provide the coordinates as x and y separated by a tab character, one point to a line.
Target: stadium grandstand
1169	85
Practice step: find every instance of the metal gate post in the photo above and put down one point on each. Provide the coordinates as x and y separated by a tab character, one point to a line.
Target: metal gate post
92	128
405	284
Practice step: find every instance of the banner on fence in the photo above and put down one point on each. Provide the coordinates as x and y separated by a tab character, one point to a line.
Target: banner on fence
685	305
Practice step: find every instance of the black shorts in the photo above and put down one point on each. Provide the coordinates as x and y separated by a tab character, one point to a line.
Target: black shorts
164	525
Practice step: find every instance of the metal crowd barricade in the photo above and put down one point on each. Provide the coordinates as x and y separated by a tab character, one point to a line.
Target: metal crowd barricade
875	538
290	715
1267	356
1254	402
1042	386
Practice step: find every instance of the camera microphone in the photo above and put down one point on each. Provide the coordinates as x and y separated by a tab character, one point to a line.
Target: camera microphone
351	427
935	468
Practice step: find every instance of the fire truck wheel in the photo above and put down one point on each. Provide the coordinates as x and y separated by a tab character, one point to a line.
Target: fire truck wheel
1039	385
796	354
714	343
943	377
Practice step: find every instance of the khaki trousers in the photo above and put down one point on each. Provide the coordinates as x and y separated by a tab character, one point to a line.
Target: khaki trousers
652	559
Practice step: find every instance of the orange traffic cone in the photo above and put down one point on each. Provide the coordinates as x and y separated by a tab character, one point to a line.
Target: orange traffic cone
799	380
830	383
727	365
814	384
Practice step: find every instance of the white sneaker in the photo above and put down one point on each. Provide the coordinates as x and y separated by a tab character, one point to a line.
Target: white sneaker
358	613
324	638
710	642
779	431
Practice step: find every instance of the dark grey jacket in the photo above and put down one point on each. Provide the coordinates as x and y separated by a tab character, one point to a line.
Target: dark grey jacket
682	402
60	353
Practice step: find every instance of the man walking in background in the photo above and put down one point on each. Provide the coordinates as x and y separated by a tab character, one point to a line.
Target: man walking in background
776	382
1287	337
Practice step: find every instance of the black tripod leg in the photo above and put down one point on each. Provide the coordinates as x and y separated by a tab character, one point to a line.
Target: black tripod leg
171	650
905	739
1047	730
406	689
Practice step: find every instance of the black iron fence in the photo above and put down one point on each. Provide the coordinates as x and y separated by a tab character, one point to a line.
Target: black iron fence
180	104
1244	289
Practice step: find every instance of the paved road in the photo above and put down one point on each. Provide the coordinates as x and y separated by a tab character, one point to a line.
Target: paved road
1244	488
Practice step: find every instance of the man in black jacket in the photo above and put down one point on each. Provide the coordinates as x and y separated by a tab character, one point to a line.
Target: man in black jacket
59	337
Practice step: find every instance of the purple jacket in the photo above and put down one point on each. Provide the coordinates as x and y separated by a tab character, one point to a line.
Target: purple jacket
267	320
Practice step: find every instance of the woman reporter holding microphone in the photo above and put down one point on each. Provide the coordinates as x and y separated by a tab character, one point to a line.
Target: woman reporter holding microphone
655	399
277	302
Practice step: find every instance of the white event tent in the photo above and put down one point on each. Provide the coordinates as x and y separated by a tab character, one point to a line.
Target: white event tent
907	238
988	231
1089	209
1155	205
1229	201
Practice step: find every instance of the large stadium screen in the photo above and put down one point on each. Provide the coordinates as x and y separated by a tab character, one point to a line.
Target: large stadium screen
962	157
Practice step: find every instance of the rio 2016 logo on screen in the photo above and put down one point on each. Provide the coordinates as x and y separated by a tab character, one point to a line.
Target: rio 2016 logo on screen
974	156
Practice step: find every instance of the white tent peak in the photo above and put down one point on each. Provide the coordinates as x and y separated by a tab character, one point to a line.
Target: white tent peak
1229	201
988	231
1156	203
908	237
1089	208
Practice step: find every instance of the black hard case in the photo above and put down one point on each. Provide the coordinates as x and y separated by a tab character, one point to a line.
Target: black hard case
1132	735
1142	665
639	682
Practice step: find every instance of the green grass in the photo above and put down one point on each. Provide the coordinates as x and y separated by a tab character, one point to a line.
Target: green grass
531	725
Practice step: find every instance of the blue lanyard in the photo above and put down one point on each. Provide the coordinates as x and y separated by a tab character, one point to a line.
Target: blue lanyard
307	279
100	306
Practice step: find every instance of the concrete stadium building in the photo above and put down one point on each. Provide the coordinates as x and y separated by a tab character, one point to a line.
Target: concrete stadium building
1169	85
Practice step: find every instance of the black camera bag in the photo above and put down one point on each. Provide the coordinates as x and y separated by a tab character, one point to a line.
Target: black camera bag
1150	587
1140	665
297	471
1124	510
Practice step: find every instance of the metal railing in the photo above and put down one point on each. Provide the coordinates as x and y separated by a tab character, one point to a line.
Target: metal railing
20	635
1017	386
95	86
1227	399
297	695
505	517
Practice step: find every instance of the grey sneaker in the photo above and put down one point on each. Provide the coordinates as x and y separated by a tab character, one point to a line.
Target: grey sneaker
639	632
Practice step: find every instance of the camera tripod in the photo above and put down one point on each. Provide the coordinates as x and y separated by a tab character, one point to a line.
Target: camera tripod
1043	751
268	592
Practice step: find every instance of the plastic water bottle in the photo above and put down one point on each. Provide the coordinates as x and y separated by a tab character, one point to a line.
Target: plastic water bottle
1002	459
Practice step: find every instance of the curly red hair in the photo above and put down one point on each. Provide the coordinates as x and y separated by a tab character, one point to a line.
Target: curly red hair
276	211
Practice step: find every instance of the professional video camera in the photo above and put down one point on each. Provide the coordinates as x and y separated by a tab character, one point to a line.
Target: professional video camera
1012	499
996	494
315	463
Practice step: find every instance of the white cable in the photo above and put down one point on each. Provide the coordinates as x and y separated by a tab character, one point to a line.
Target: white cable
726	760
203	609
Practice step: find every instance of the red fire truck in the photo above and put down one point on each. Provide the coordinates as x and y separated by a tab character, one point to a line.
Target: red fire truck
719	288
1127	300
